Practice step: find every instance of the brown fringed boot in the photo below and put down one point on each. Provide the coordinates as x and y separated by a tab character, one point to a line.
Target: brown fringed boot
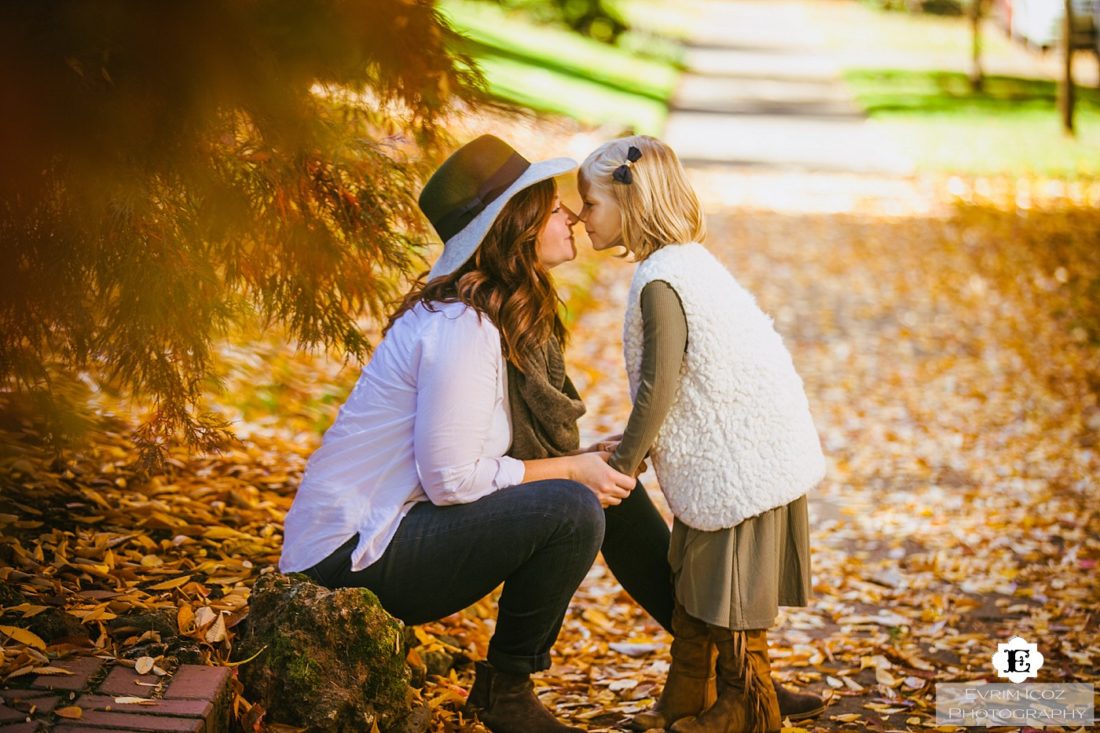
746	702
690	688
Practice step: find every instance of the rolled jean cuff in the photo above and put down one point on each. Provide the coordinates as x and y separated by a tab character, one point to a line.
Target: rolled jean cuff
517	663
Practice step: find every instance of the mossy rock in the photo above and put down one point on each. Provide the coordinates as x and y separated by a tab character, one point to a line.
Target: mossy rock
162	621
332	660
53	625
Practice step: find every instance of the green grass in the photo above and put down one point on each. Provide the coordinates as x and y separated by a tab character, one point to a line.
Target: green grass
554	70
671	19
858	29
1012	126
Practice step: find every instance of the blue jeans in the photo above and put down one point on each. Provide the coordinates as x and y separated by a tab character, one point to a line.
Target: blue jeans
539	539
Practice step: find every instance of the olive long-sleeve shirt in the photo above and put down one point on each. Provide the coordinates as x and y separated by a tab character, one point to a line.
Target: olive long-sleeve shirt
665	335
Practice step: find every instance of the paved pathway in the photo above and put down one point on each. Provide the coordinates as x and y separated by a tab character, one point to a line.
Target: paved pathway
762	91
97	697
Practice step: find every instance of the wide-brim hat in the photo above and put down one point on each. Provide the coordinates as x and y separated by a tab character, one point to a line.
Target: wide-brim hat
464	197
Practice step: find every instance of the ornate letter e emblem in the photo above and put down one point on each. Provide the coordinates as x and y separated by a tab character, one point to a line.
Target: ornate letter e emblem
1017	660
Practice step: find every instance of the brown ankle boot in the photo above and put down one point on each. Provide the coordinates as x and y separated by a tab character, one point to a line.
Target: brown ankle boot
746	701
797	705
690	688
506	703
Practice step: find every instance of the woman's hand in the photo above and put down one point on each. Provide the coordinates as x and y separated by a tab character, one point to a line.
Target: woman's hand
593	470
590	469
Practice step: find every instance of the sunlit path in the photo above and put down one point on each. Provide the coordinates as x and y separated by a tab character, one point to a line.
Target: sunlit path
762	89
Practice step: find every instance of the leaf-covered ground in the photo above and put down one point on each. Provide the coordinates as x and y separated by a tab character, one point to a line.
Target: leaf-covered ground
948	332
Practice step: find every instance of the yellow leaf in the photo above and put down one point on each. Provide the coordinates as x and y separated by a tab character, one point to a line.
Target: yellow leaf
20	672
144	664
185	618
28	609
50	670
227	579
160	520
877	661
173	583
222	533
91	567
72	712
195	588
99	613
597	617
23	636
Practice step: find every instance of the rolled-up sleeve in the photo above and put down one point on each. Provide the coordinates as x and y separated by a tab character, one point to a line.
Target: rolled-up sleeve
458	390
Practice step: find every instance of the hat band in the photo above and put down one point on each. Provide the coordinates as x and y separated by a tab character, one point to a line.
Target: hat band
455	220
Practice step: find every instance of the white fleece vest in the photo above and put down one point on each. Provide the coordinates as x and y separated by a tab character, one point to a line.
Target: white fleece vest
739	439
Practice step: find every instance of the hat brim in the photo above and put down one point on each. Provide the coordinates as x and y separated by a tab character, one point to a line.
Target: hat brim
459	248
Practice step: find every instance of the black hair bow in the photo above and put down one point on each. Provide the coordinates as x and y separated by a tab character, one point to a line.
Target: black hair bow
622	174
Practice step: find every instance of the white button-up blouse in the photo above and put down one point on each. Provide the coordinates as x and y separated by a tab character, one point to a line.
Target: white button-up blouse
428	420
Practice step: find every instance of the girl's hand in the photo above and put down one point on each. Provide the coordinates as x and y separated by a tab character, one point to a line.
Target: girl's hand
592	470
608	444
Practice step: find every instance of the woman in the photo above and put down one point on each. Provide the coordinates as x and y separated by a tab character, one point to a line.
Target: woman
411	494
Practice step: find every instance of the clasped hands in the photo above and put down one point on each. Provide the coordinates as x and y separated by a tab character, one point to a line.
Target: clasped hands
592	469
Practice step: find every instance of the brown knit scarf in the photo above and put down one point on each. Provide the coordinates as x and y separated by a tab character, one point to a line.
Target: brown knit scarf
544	404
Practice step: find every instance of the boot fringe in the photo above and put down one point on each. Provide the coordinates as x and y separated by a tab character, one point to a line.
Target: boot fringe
756	690
759	688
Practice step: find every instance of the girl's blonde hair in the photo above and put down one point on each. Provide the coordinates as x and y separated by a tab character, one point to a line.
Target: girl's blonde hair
658	206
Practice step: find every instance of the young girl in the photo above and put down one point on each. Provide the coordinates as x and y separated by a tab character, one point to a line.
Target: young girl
721	410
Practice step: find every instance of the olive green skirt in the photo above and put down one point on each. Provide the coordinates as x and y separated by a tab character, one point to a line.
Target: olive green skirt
737	578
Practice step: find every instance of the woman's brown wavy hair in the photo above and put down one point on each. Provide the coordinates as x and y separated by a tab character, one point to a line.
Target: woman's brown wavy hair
504	279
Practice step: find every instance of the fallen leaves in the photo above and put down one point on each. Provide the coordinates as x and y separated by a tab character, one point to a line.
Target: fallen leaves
51	670
950	356
170	584
23	637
